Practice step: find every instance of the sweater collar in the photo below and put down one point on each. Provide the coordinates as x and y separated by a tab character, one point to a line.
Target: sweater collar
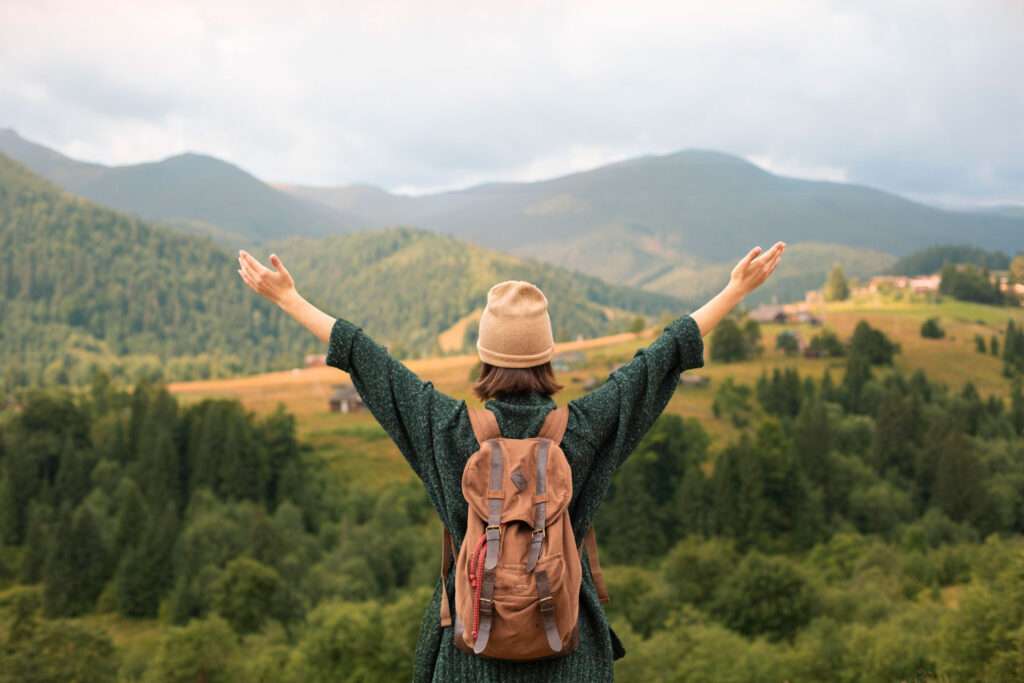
520	398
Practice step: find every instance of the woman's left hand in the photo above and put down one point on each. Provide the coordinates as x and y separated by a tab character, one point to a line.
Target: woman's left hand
275	286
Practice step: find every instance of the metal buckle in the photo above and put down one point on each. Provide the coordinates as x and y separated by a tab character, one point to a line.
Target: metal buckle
538	532
545	604
486	605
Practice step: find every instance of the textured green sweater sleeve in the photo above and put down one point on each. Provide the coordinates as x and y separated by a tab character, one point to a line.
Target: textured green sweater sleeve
407	407
616	415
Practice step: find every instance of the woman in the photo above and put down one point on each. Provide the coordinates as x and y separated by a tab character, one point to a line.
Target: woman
434	433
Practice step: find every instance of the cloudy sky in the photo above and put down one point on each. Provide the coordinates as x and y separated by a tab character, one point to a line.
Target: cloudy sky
925	98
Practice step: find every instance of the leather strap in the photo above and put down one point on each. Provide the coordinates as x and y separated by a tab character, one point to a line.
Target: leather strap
447	556
485	424
495	502
493	535
486	612
590	544
540	514
547	611
555	424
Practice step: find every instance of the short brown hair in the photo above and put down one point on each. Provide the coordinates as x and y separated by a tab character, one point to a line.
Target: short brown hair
496	380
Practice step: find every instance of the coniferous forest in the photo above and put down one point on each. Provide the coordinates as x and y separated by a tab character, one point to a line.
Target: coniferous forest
864	526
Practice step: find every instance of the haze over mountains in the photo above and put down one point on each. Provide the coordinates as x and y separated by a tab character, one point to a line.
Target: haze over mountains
193	191
672	224
84	286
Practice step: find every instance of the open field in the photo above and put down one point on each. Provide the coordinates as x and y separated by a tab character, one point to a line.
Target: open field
348	442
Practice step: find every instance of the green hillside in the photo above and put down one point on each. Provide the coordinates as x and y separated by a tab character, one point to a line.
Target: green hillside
200	191
421	283
84	287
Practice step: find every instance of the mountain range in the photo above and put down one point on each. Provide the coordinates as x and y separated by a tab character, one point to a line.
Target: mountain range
194	192
672	224
83	286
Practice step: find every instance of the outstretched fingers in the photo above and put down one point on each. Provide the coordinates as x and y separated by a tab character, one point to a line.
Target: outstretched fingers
278	264
255	267
751	255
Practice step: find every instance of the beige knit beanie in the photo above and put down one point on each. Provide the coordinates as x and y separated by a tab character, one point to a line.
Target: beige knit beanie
515	329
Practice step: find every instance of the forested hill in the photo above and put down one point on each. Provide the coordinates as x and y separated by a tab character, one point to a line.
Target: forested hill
193	191
421	283
86	286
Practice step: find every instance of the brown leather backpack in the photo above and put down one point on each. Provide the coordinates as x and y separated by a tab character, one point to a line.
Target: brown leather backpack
518	572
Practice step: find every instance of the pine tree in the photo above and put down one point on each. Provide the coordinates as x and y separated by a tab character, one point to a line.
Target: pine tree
277	433
76	568
858	373
1017	406
161	475
132	516
836	287
738	494
898	427
38	542
137	419
729	343
959	479
72	484
812	448
145	573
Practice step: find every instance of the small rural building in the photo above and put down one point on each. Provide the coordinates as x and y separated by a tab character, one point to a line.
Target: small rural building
689	379
315	360
591	383
769	313
345	399
925	284
806	317
568	360
881	282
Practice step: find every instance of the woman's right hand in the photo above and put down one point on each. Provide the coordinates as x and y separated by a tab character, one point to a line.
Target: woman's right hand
277	287
751	272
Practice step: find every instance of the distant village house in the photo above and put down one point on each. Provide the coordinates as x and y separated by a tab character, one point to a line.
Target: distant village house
314	360
345	399
568	360
693	380
783	314
922	284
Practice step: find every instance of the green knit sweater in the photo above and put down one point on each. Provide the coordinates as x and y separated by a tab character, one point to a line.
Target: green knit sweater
433	432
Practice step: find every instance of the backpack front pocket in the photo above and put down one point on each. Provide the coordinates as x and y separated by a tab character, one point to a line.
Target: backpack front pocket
526	604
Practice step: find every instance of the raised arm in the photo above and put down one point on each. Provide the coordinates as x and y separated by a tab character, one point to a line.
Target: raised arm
616	415
400	401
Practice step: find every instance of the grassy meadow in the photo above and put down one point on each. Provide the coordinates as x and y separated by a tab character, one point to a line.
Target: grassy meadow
358	448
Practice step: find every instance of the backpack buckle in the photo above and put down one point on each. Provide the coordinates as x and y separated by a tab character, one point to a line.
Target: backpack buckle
546	604
538	532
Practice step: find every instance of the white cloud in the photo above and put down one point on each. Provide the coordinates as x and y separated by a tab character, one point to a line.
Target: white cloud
921	97
798	169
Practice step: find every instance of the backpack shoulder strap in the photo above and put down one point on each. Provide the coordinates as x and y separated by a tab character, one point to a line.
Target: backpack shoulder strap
485	425
555	423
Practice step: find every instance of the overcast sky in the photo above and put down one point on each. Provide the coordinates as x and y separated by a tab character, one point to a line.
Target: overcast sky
923	98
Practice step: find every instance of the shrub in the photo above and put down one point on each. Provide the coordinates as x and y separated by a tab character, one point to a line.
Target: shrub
931	329
766	596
